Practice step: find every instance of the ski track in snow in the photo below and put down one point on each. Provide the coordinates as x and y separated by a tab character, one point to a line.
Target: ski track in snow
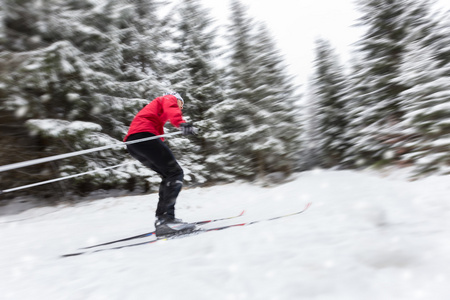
364	237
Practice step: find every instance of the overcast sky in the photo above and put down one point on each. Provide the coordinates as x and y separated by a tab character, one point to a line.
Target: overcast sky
296	24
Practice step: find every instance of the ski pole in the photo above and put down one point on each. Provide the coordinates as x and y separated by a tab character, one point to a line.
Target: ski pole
77	153
61	178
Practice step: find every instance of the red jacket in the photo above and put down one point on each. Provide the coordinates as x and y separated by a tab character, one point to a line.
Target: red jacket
155	114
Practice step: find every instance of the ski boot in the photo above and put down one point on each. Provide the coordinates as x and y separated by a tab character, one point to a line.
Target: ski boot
166	226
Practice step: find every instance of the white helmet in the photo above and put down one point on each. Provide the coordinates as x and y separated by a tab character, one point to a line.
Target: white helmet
178	96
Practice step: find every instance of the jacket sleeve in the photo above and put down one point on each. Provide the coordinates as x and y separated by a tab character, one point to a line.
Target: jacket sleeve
172	111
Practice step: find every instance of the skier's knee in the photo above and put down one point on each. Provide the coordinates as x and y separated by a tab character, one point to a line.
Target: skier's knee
176	177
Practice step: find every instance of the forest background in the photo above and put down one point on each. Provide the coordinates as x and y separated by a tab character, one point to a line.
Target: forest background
73	73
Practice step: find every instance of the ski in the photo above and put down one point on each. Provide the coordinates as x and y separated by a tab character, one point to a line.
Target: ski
257	221
139	236
199	231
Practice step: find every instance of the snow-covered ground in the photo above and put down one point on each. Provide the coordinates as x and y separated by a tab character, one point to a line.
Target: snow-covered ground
364	237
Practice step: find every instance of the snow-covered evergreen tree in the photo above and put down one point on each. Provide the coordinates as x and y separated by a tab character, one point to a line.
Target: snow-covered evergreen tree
330	110
377	87
277	123
141	35
64	69
426	74
2	24
196	76
257	129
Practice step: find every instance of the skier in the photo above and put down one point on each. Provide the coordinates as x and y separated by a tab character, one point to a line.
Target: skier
155	155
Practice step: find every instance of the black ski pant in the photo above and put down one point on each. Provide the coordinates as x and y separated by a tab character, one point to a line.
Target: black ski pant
155	155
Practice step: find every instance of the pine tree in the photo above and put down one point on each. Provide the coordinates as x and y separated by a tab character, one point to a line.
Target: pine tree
65	86
141	37
257	128
195	75
277	123
330	110
377	89
426	74
2	25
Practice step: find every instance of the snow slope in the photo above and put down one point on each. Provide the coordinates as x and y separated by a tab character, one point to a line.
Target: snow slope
364	237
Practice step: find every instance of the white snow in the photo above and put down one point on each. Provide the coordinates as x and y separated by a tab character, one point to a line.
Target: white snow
54	127
366	236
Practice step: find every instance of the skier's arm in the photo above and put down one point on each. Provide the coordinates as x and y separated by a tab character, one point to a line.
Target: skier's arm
172	111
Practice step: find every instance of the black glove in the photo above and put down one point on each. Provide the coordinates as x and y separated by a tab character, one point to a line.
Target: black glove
187	129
